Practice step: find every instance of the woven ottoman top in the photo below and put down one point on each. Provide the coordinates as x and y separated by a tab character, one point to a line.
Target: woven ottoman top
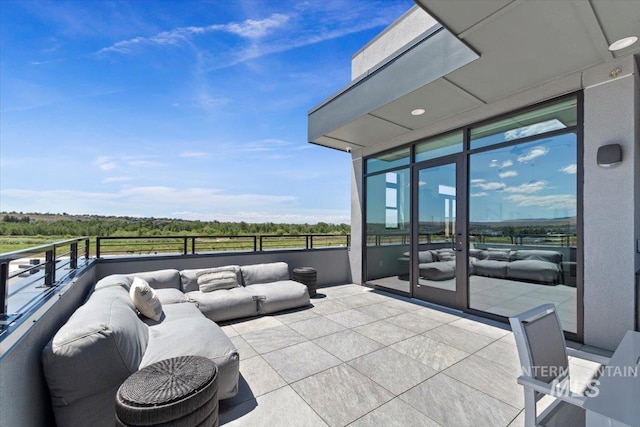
167	381
304	270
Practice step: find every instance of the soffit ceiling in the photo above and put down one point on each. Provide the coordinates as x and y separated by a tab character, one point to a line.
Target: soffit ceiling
521	44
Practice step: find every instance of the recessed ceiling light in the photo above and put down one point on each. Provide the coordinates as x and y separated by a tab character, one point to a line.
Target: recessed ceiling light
622	43
418	112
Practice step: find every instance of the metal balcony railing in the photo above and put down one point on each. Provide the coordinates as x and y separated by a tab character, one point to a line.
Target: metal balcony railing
40	267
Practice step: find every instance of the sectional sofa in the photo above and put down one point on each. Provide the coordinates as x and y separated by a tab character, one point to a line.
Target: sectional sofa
107	339
539	266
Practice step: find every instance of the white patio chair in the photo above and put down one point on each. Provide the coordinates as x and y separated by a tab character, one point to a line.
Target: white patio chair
545	368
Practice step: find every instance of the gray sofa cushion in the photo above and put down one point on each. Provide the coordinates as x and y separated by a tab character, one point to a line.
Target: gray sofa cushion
189	280
98	348
173	312
534	270
441	270
114	280
539	255
205	338
264	273
425	256
281	295
225	304
160	279
497	255
491	268
170	296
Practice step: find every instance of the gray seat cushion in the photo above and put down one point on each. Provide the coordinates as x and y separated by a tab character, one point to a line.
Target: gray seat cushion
264	273
94	352
176	312
491	268
533	270
205	339
170	296
225	304
539	255
440	270
281	295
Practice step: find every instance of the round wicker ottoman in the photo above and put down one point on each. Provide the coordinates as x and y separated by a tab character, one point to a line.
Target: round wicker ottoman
182	391
307	276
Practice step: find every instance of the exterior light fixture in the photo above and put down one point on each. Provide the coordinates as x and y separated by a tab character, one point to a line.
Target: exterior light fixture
622	43
418	112
609	155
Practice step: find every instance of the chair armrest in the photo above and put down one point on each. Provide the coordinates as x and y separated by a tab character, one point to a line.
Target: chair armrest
549	389
603	360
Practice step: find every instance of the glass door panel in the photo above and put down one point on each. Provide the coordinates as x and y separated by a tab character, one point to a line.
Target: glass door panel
438	247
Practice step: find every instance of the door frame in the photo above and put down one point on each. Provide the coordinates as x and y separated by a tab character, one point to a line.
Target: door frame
457	299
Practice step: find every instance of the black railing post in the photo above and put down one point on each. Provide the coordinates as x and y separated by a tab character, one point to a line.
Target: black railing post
98	239
49	268
193	245
86	249
309	241
4	288
348	240
260	243
184	246
73	261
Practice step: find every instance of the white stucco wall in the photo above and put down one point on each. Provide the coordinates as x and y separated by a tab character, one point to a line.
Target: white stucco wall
357	199
611	206
397	35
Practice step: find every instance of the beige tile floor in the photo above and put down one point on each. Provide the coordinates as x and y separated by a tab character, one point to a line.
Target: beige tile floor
360	357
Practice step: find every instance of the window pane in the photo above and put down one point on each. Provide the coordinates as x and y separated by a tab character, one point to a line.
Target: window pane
388	160
522	228
439	147
388	229
542	120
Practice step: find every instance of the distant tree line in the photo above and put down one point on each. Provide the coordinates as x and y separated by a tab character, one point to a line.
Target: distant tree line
64	225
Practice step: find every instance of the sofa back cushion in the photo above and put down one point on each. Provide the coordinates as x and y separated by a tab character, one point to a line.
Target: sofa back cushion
424	257
101	344
264	273
160	279
478	253
189	279
539	255
114	280
498	255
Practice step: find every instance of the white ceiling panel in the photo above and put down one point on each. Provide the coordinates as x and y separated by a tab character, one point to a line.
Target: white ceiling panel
616	28
529	44
333	143
439	98
367	130
458	16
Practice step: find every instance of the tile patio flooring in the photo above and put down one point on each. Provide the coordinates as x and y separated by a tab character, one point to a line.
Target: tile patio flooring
360	357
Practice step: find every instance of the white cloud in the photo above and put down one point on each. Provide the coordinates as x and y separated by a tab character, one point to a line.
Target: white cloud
194	154
534	129
534	153
494	164
508	174
480	194
105	163
571	169
248	29
489	186
555	201
506	164
477	181
530	187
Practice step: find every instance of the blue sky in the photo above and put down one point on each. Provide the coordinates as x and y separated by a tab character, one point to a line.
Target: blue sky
181	109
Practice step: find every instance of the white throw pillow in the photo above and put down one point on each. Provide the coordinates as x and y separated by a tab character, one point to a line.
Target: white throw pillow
145	299
214	279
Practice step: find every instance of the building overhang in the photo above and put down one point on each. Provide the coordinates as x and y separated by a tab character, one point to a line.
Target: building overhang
479	53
